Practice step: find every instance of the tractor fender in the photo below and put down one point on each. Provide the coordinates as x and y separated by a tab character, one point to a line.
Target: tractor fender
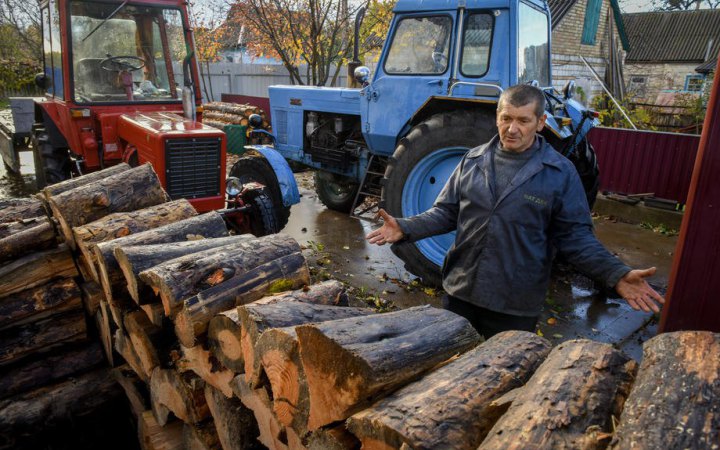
283	172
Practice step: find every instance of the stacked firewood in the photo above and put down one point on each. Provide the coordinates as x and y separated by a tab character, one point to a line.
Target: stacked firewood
222	341
220	114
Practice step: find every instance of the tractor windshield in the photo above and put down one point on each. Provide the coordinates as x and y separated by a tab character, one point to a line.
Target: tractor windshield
126	53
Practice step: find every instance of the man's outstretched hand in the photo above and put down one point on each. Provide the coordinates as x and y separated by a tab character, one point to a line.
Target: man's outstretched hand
388	233
638	292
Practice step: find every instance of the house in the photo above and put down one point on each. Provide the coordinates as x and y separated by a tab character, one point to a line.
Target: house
592	30
670	53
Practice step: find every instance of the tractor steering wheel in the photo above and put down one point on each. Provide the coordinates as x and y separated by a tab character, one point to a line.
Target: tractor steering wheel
120	63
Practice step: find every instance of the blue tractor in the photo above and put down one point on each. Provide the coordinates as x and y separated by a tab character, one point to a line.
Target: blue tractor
433	96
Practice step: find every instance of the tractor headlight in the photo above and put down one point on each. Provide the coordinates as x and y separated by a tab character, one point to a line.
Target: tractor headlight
233	187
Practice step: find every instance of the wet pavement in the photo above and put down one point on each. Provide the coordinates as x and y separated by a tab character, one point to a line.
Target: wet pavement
335	247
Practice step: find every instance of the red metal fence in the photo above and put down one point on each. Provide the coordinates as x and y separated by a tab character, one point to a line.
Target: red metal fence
635	162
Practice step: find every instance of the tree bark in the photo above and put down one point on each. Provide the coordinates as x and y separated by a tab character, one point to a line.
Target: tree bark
201	436
106	329
180	393
92	295
200	361
335	438
151	343
39	302
236	425
675	401
47	369
135	389
278	354
124	347
184	277
117	225
286	272
153	436
43	335
133	260
569	401
349	363
457	395
224	329
78	396
210	225
68	185
25	237
13	210
36	269
271	433
130	190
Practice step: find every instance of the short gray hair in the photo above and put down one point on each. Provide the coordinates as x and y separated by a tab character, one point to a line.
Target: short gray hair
521	95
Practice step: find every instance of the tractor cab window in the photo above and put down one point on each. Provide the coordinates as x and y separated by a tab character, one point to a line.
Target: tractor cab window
476	45
134	54
533	48
420	45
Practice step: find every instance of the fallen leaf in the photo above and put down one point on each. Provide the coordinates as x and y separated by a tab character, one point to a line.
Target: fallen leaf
552	321
557	336
346	247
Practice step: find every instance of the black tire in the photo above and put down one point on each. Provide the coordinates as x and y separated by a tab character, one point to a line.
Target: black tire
263	218
585	161
452	129
335	191
52	165
257	169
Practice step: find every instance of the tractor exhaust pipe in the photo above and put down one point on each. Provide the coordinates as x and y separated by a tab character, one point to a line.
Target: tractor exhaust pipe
355	63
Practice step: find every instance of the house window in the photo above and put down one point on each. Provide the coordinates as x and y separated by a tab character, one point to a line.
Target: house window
592	18
694	83
637	85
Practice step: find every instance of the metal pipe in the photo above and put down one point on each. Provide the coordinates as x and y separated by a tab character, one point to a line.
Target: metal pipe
608	93
469	83
458	42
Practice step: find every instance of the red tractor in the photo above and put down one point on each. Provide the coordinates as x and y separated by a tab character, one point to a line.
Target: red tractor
120	82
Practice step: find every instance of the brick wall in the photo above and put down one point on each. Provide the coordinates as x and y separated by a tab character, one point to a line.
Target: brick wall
658	77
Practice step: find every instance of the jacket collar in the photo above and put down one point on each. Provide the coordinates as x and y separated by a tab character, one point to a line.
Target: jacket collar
547	154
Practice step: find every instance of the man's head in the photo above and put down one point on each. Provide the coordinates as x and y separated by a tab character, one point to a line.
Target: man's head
520	114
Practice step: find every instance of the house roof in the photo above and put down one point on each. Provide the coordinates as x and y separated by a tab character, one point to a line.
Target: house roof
673	36
558	9
707	67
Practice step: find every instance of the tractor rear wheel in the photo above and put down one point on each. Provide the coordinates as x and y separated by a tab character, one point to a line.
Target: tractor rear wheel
257	169
417	172
52	165
335	191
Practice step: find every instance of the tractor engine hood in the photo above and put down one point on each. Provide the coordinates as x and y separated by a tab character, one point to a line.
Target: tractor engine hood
312	98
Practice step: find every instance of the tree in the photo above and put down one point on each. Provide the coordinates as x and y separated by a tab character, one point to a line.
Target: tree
315	33
20	30
684	5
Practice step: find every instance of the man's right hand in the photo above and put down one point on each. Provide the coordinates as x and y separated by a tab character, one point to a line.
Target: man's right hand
388	233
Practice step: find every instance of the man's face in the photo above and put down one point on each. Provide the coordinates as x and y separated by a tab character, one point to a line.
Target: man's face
517	126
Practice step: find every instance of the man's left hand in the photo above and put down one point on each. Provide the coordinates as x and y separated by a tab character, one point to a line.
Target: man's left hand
638	293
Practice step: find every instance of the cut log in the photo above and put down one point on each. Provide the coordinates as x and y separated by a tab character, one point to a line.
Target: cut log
77	397
265	344
335	438
182	394
68	185
39	302
18	209
133	260
457	395
271	433
675	401
349	363
36	269
125	348
153	436
224	329
210	225
286	272
26	236
569	401
186	276
119	305
235	424
155	314
106	328
295	442
117	225
151	343
201	436
43	335
92	295
47	369
200	361
135	389
130	190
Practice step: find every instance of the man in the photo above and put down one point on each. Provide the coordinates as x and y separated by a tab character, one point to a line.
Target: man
513	201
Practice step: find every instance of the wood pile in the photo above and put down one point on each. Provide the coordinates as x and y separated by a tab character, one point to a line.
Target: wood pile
223	342
220	114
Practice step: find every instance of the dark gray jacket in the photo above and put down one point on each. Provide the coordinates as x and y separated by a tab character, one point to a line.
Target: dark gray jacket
503	249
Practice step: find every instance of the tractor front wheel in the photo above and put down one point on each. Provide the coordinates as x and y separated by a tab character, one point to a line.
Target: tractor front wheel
417	172
263	216
257	169
52	165
335	191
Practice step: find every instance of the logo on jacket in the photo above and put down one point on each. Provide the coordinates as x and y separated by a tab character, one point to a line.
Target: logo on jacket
536	200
